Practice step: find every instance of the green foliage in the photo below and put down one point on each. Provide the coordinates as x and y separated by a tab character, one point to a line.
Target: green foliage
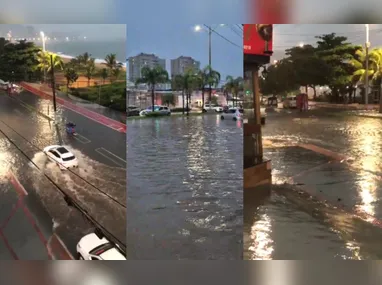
71	75
233	86
18	61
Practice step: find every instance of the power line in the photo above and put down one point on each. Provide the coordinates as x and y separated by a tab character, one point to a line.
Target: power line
68	198
232	27
223	37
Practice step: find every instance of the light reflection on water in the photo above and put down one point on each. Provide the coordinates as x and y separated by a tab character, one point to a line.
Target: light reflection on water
262	243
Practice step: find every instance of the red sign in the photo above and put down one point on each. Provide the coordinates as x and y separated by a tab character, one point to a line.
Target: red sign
258	39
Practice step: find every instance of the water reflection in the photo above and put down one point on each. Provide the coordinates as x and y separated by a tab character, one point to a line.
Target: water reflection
367	147
262	243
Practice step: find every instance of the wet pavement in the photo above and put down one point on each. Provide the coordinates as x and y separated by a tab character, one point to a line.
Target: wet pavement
320	206
99	185
185	188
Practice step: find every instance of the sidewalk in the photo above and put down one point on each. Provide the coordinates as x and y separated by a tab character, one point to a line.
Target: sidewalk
354	106
92	111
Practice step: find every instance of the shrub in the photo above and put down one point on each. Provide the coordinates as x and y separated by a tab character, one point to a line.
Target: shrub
179	109
154	114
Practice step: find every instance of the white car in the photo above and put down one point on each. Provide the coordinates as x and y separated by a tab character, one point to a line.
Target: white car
163	110
290	102
62	156
233	114
212	107
91	247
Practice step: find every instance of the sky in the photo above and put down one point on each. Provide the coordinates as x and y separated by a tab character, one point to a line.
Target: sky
287	36
104	32
172	41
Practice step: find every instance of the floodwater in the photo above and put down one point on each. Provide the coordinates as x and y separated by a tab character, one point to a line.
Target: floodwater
344	222
185	188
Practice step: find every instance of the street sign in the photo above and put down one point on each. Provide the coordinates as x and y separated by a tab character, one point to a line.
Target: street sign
258	39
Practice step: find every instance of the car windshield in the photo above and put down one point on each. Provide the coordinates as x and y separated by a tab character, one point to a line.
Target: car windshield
69	158
62	150
233	111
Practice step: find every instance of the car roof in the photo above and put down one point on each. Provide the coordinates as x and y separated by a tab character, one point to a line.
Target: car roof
62	149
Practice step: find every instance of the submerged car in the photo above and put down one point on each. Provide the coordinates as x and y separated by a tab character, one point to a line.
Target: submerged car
61	156
161	110
92	247
233	114
212	108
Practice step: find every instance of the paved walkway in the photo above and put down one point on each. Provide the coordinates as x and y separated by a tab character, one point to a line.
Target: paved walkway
354	106
100	115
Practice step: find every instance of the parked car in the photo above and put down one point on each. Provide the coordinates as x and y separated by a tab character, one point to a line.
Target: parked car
92	247
133	111
233	114
290	102
212	108
61	156
162	110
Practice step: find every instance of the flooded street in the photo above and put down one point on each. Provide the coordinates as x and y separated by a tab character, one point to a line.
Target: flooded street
185	188
326	199
97	186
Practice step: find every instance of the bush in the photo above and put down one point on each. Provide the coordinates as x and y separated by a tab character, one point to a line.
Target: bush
180	109
154	114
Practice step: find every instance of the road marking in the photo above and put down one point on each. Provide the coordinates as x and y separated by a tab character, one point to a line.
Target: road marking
105	153
18	112
81	138
17	185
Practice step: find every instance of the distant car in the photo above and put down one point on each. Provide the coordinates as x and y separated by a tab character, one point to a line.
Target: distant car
212	108
235	114
133	111
61	156
290	102
91	247
162	110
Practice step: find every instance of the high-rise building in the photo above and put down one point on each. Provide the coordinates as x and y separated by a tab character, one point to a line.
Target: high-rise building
182	63
143	59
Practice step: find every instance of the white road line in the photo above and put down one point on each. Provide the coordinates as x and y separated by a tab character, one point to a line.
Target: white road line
82	139
102	151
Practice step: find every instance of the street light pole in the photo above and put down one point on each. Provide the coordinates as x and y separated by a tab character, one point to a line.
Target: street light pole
43	50
367	45
209	61
53	84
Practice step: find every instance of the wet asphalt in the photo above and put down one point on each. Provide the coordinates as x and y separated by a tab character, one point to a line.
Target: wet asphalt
331	208
99	185
185	188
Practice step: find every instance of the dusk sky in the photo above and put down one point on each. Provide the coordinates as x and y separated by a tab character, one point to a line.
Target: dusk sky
171	41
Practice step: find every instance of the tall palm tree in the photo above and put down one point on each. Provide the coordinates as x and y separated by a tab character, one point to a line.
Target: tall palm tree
90	69
186	82
178	83
212	79
44	59
104	74
152	77
374	71
233	86
201	81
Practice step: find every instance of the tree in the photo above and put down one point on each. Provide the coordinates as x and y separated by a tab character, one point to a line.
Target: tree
71	76
186	82
104	75
90	69
212	78
44	59
233	86
152	77
116	73
178	83
309	69
338	54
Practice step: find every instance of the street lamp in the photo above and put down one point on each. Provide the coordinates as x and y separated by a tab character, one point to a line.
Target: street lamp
198	28
43	50
367	45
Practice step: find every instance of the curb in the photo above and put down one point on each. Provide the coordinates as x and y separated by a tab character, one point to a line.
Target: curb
31	108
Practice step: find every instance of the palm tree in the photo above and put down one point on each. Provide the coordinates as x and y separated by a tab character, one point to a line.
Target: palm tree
374	71
152	77
116	72
44	59
71	76
212	79
233	86
90	69
201	81
178	83
104	74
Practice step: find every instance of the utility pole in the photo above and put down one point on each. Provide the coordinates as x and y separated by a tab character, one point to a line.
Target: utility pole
367	45
53	84
209	60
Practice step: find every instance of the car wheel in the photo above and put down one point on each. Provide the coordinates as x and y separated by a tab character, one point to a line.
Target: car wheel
222	117
263	121
234	119
79	256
